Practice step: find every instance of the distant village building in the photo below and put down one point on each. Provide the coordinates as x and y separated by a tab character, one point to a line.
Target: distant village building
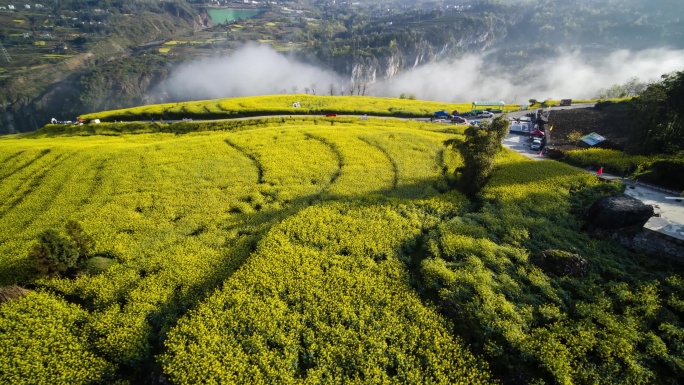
10	6
60	49
39	6
27	6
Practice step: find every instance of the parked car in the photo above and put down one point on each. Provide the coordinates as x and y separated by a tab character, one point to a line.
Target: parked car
330	115
441	115
536	145
459	119
485	114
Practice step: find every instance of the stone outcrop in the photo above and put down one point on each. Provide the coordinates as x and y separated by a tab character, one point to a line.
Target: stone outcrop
9	293
617	212
563	264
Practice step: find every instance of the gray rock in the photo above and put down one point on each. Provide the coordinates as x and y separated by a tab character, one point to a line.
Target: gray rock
617	212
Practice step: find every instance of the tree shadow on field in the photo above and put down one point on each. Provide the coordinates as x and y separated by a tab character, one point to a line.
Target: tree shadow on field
16	272
250	228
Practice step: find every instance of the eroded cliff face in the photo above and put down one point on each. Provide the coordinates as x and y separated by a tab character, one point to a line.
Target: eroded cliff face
370	68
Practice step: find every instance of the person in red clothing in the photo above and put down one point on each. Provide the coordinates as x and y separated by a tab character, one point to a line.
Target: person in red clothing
600	171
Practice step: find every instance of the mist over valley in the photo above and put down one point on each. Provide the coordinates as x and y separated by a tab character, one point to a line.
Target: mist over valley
260	70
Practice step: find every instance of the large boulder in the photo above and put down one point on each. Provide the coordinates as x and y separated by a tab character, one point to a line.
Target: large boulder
562	264
617	212
8	293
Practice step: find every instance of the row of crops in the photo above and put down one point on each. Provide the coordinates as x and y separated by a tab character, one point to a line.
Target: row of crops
282	105
311	251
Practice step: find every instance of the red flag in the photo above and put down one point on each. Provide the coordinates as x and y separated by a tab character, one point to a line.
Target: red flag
600	171
540	153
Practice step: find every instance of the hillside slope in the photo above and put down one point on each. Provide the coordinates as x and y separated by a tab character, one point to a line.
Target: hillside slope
314	250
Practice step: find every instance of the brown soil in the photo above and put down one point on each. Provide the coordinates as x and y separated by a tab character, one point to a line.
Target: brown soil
612	123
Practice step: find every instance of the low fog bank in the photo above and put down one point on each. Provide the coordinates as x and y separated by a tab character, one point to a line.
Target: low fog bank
251	70
260	70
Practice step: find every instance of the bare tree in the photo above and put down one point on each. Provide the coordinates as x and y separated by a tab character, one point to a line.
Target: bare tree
358	88
306	90
363	89
332	89
351	89
313	89
295	89
342	91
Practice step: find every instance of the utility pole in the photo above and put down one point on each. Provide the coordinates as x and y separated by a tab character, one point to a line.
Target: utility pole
4	51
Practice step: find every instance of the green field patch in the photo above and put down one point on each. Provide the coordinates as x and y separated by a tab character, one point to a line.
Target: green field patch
19	21
164	49
56	56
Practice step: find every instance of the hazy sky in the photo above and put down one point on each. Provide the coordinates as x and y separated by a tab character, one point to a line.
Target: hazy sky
260	70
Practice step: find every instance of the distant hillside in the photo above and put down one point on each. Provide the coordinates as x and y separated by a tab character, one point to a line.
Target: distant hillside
112	55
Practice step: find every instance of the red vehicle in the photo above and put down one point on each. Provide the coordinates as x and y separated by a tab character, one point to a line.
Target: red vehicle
459	119
330	115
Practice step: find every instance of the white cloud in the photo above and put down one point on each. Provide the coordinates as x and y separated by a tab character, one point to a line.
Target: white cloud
260	70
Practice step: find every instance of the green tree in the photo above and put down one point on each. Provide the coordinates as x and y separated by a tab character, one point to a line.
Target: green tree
54	254
83	242
656	117
478	151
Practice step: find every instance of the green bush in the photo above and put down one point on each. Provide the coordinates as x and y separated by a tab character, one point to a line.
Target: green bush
666	173
83	242
54	254
97	265
612	161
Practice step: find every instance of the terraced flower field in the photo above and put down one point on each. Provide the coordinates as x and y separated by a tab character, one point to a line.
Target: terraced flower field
180	214
314	251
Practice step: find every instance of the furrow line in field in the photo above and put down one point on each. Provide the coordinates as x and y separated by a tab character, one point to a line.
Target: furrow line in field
338	154
62	179
395	166
33	184
12	156
95	181
9	193
27	164
252	157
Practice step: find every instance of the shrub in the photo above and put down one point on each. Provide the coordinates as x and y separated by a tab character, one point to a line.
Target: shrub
81	240
663	173
54	254
97	265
